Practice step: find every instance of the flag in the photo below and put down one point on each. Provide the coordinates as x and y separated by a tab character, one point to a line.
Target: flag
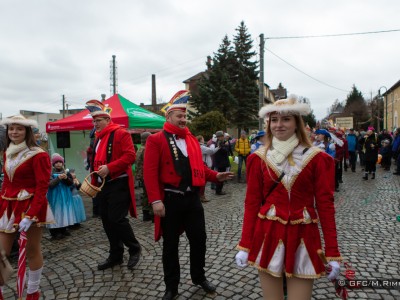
21	276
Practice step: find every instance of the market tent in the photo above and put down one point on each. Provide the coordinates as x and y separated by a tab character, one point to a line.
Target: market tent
124	113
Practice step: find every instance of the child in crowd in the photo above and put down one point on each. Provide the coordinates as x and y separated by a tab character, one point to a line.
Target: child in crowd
60	198
386	153
77	202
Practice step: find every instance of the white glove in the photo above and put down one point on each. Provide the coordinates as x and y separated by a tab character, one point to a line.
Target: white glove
241	258
335	270
25	224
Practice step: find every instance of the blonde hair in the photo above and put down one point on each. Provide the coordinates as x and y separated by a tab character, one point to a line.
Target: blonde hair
300	132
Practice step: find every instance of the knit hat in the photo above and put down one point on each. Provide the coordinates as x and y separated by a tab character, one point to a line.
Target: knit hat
371	128
285	106
56	158
144	136
219	133
20	120
98	109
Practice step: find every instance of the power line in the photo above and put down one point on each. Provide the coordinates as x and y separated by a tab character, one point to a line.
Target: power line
294	67
329	35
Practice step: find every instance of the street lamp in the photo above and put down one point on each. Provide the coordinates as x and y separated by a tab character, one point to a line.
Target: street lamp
386	110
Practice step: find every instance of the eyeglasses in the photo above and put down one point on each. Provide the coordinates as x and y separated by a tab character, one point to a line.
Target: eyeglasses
97	121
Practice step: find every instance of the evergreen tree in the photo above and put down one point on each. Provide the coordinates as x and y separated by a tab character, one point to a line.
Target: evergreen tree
245	80
356	107
215	88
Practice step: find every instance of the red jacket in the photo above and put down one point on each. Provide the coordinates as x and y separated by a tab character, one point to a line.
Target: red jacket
158	170
291	212
123	155
32	176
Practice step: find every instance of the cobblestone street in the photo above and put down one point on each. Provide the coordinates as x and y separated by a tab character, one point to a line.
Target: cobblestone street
368	238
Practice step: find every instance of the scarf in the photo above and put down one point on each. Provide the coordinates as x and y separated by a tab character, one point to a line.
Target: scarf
14	149
281	149
100	157
194	152
17	154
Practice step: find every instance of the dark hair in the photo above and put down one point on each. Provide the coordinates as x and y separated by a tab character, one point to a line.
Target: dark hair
29	137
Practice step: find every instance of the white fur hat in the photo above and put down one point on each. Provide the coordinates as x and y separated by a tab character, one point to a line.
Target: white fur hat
20	120
285	106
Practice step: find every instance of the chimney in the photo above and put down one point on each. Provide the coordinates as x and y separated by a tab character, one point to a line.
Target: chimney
153	92
209	60
103	97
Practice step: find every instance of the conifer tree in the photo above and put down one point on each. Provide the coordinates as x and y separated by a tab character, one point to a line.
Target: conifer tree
245	80
215	88
356	107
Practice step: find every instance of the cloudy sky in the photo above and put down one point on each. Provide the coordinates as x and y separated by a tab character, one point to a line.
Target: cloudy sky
54	48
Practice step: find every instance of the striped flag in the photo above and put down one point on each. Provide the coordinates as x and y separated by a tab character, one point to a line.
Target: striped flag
21	276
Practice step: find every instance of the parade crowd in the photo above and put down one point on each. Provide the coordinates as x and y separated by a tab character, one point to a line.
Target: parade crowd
291	173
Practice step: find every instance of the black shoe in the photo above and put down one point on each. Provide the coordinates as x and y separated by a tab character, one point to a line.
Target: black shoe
220	193
365	177
133	260
146	216
340	181
169	295
396	173
57	236
207	286
336	189
109	263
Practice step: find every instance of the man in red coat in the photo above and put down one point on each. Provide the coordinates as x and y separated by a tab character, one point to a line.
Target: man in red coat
173	174
112	159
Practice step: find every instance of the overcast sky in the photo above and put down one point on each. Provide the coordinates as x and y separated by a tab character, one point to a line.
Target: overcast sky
50	48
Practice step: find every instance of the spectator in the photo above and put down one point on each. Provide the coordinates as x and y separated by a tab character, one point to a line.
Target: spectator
242	147
352	143
60	198
221	160
146	207
258	141
208	153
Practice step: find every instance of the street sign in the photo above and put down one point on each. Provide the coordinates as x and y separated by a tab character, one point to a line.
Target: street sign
345	122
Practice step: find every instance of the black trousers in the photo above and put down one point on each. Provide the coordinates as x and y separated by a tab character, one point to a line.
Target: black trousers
220	184
352	160
183	212
370	166
114	201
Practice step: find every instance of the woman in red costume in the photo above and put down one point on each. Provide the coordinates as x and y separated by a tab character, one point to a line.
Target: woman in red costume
23	202
280	233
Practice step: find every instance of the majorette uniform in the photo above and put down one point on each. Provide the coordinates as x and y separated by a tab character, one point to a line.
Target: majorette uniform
282	235
23	193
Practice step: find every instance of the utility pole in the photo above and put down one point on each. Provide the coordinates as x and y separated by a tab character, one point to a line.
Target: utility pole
63	106
385	103
261	81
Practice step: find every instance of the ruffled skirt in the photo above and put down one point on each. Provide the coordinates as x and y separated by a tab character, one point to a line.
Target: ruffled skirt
286	248
13	211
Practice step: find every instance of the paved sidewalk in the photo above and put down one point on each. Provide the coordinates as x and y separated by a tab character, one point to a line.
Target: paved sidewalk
368	238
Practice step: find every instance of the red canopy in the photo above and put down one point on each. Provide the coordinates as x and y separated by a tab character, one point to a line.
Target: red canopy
124	113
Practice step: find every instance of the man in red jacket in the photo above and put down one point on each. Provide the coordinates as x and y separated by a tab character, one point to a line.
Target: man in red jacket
173	174
112	159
